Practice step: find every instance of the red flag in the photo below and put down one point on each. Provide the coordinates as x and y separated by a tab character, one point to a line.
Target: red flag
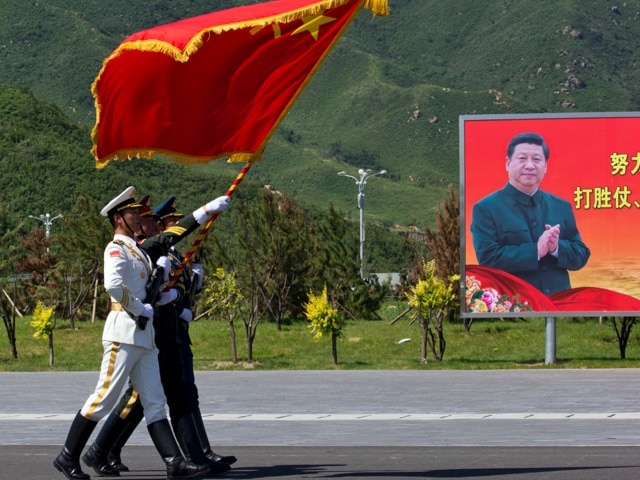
216	85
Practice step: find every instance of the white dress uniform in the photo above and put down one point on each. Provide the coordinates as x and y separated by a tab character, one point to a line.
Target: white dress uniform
129	352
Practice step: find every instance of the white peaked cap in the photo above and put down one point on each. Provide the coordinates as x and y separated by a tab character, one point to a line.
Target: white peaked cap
125	200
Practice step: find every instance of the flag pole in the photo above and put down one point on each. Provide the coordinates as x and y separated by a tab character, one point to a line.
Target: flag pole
205	229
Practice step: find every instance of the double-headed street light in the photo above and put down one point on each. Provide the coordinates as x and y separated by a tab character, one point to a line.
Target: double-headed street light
47	220
361	182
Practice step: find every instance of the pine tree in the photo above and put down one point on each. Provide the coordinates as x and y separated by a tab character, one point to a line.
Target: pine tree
338	268
443	245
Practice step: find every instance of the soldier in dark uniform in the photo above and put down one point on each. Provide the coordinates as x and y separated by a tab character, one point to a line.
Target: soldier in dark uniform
129	352
191	278
123	421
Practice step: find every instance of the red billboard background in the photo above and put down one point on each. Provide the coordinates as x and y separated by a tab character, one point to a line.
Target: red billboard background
594	163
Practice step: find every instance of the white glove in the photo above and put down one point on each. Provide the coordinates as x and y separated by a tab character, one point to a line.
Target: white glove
186	315
168	297
220	204
197	269
147	311
165	264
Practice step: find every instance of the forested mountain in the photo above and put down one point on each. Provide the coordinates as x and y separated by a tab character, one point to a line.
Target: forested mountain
387	97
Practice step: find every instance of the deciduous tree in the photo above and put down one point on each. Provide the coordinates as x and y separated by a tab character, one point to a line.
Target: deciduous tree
82	246
430	299
443	245
222	296
623	332
9	235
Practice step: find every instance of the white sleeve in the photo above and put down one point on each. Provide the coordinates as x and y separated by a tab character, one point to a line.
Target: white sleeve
116	260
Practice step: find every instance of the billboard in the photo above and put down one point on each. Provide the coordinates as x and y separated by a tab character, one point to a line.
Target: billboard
553	229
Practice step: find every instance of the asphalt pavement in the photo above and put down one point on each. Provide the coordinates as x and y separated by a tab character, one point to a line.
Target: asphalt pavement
550	424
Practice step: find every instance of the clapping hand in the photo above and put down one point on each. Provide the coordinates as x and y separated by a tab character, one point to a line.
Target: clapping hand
548	241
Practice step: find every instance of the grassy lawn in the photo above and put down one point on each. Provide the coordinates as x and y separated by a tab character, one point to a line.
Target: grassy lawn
491	344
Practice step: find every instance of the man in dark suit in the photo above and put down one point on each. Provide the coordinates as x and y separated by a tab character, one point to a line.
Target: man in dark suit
525	231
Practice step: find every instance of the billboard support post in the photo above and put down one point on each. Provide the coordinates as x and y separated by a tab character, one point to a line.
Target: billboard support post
550	341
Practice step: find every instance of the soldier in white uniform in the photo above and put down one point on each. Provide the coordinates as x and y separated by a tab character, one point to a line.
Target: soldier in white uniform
129	350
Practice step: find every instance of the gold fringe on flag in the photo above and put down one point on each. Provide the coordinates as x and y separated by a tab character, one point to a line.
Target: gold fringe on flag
377	7
131	153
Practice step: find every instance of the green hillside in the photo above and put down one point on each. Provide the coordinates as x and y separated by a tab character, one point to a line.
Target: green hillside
440	59
45	164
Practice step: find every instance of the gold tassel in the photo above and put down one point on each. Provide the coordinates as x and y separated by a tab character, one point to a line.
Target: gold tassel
378	7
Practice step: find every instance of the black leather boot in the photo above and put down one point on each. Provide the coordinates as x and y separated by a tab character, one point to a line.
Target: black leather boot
227	459
188	439
96	456
177	466
204	441
68	460
132	420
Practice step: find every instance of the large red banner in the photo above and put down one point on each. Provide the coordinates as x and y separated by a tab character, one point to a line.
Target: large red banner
216	85
593	164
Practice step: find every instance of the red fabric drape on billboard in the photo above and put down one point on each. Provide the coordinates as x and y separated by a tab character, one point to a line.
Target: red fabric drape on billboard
215	85
510	285
581	299
594	299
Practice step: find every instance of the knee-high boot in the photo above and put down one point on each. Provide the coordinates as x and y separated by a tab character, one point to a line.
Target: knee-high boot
177	466
204	441
188	439
68	460
96	456
132	421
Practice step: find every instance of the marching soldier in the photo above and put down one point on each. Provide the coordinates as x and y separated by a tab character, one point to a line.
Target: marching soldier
192	283
129	352
124	419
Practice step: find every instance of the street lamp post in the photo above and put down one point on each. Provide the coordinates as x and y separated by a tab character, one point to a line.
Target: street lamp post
47	220
361	182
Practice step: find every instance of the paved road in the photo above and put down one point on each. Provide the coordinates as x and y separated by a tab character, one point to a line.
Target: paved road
507	424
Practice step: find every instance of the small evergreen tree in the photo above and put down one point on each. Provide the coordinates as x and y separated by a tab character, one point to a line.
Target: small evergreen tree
337	267
43	326
324	320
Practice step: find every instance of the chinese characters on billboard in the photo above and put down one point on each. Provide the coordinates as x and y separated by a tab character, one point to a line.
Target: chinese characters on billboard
549	214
